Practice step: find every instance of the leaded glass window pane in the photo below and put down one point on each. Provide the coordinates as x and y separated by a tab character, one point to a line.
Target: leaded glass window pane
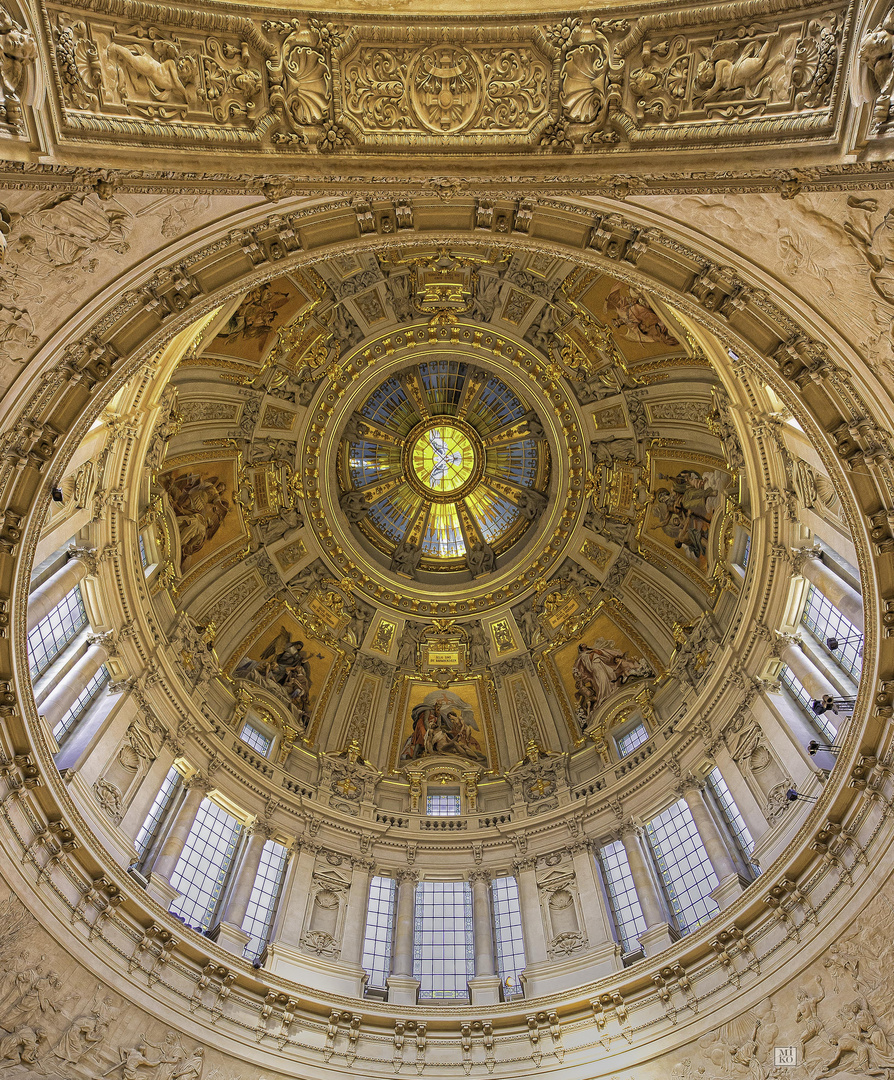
442	805
257	740
55	630
826	621
632	739
730	811
264	894
795	687
508	934
162	801
684	865
83	702
202	868
622	897
376	959
443	945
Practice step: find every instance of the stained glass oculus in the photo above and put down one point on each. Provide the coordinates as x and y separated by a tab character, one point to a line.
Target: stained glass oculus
443	459
450	462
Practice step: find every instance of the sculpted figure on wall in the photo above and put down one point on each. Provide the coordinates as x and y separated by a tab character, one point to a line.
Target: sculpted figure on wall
159	74
17	51
877	54
736	67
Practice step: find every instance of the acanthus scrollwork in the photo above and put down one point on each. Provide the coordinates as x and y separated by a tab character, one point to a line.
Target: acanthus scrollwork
322	88
445	89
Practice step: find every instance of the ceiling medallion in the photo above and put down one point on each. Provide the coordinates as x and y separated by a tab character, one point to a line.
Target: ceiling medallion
374	422
444	461
444	469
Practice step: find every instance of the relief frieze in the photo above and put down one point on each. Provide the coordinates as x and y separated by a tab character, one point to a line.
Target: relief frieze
139	72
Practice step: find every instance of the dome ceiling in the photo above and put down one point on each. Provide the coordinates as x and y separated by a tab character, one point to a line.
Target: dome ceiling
448	459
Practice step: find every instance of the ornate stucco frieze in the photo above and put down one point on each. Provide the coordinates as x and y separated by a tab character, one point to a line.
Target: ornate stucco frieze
705	76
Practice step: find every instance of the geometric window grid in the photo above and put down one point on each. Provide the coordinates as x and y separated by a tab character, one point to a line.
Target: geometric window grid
257	740
55	630
376	960
622	895
144	558
443	945
262	901
826	621
162	801
730	812
83	702
793	684
630	740
201	870
746	551
684	865
442	805
508	934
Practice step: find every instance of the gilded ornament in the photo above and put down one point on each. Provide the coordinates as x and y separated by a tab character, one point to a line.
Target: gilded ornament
446	88
591	84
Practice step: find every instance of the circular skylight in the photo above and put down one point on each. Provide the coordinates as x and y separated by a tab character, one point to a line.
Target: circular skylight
443	467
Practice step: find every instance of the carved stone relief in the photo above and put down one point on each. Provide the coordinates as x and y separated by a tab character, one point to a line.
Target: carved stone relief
323	87
18	50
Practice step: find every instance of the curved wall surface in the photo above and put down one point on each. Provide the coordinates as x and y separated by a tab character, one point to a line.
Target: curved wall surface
702	358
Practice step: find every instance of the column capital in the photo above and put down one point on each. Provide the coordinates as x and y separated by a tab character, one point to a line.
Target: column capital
260	827
781	642
86	555
577	846
480	874
527	862
202	783
801	556
106	640
629	828
688	784
406	874
360	862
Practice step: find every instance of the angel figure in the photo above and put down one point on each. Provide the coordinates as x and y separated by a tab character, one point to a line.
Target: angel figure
727	70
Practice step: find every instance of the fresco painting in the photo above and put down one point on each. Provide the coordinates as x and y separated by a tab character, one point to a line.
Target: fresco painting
202	500
251	329
596	665
288	664
443	722
685	498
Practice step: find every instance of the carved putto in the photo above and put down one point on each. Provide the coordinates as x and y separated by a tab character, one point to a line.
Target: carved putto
18	51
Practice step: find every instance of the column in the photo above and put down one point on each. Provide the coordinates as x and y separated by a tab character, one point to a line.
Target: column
229	933
61	699
54	590
743	796
149	788
834	675
659	934
355	916
804	669
403	989
166	860
531	915
604	953
484	988
839	592
288	926
729	882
